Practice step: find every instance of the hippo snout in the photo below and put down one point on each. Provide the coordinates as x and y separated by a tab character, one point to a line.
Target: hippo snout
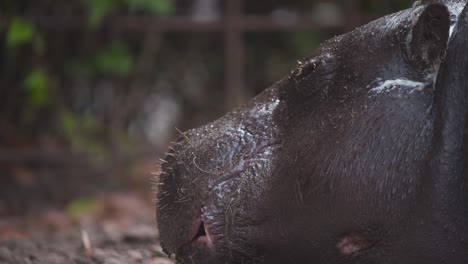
209	176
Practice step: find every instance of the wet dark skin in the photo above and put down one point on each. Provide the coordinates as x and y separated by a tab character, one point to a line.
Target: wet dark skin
355	157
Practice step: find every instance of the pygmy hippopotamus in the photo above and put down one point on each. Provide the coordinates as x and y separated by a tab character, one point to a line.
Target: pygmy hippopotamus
355	157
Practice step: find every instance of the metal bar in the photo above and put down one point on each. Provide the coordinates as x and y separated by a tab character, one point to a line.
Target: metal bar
187	24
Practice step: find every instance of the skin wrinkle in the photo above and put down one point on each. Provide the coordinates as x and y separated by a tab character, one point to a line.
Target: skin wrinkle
237	170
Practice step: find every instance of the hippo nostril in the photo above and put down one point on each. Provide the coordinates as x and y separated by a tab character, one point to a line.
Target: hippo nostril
203	235
201	231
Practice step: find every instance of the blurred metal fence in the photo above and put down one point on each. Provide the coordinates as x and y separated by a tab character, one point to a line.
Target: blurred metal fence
233	24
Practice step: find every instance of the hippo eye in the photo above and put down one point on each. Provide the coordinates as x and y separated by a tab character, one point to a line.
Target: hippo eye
304	69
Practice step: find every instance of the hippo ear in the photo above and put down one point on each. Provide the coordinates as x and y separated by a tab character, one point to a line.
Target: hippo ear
429	36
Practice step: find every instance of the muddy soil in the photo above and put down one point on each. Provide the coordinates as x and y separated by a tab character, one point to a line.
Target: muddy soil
121	230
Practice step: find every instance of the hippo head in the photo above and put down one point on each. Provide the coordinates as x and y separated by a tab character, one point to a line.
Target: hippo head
326	166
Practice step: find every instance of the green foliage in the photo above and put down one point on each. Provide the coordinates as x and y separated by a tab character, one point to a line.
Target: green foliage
19	32
38	86
159	7
82	206
114	59
98	9
84	134
68	122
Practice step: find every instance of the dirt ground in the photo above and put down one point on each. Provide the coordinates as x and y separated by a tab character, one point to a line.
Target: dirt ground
112	229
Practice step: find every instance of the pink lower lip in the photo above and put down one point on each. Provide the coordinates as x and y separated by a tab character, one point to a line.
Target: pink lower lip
203	239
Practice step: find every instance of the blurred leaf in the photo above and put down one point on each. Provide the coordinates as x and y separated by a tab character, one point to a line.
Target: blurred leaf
82	206
115	59
19	32
159	7
37	85
98	9
68	122
84	134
